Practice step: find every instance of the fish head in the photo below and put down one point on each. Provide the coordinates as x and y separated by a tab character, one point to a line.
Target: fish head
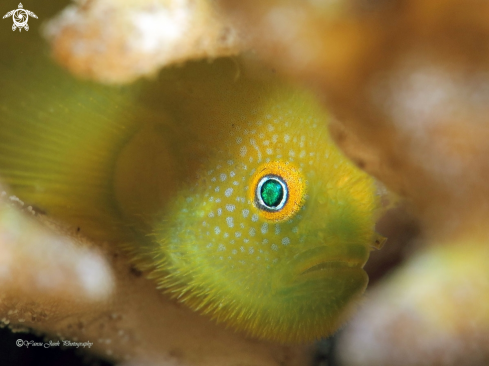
273	236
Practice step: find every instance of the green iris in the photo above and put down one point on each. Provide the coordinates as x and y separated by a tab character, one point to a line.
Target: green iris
272	193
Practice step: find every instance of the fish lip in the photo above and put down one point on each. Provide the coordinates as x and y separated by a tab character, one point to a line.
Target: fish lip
327	265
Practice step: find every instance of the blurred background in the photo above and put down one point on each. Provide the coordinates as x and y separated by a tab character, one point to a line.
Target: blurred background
407	82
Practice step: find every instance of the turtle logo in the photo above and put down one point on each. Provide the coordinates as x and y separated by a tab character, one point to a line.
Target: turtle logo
20	17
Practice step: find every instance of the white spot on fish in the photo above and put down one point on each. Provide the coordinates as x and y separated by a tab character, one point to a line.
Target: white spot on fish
255	146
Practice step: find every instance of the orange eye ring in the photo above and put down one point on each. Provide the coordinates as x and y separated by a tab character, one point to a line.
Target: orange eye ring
286	177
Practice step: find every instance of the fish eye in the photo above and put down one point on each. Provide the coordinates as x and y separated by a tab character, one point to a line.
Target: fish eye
271	193
277	189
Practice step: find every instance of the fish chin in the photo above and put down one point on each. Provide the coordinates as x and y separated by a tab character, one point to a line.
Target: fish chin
317	290
306	306
321	299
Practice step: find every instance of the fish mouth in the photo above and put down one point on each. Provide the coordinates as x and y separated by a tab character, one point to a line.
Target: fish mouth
329	257
327	273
